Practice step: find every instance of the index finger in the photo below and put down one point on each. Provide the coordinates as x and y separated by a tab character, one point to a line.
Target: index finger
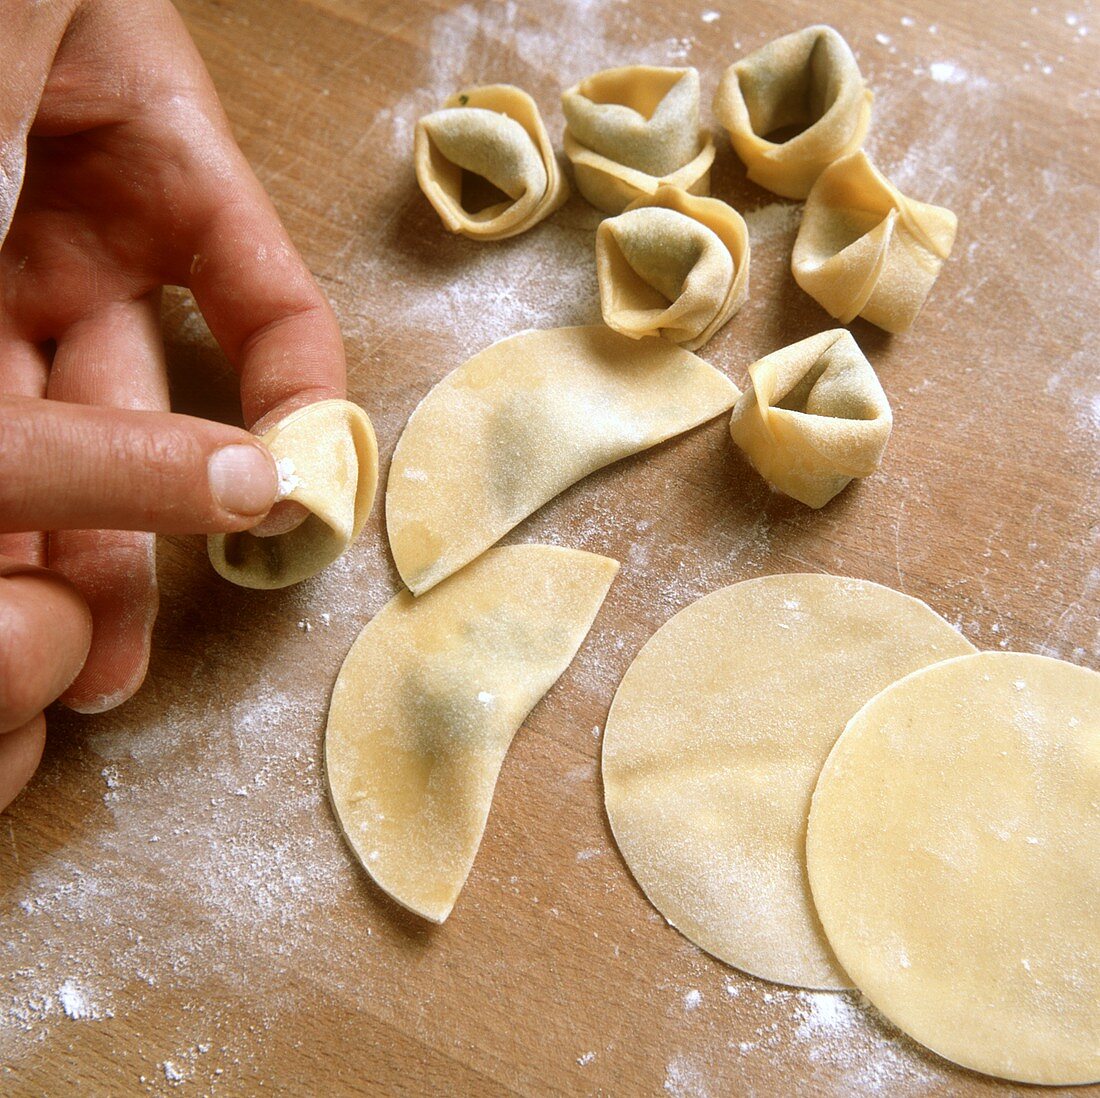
259	298
265	309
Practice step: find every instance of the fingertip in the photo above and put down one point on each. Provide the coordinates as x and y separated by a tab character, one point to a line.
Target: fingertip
244	482
45	636
115	571
284	516
20	753
278	404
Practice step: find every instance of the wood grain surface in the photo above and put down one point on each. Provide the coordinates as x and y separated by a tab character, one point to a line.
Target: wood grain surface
179	912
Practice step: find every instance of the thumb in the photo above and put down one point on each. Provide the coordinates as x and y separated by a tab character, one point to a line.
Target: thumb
74	467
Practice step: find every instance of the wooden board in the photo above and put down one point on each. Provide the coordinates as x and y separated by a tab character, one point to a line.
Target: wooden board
178	909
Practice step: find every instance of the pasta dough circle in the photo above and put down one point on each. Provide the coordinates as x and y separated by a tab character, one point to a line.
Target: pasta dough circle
673	265
427	703
494	133
813	418
714	742
954	856
629	130
334	459
864	249
808	79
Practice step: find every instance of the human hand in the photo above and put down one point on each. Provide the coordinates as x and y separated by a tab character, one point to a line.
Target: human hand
132	181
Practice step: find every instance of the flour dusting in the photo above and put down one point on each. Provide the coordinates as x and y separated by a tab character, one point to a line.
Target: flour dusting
12	162
776	219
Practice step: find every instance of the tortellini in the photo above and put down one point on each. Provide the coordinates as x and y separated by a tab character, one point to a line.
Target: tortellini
486	164
628	130
674	265
864	249
808	82
328	462
813	418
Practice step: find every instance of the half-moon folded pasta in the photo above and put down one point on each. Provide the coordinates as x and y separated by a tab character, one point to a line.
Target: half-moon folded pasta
808	81
523	420
328	456
429	699
628	130
864	249
814	417
674	265
492	138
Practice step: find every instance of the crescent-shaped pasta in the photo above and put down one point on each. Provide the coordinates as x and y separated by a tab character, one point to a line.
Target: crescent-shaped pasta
814	417
329	458
808	81
495	136
429	699
864	249
630	130
520	422
674	265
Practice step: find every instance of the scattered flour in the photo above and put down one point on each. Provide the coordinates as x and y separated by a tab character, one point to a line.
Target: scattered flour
946	72
684	1079
773	220
74	1001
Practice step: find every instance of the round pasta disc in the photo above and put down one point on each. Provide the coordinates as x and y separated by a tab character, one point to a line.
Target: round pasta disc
714	743
954	856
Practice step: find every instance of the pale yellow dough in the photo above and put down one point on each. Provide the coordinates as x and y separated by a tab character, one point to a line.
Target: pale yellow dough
807	80
864	249
496	133
954	856
714	743
427	703
814	417
673	265
520	422
630	130
331	456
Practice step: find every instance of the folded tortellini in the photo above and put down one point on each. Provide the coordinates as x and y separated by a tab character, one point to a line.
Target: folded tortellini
486	164
328	463
674	265
808	82
864	249
628	130
814	417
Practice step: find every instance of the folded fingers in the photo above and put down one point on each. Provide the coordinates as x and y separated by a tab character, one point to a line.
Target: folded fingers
113	359
45	631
